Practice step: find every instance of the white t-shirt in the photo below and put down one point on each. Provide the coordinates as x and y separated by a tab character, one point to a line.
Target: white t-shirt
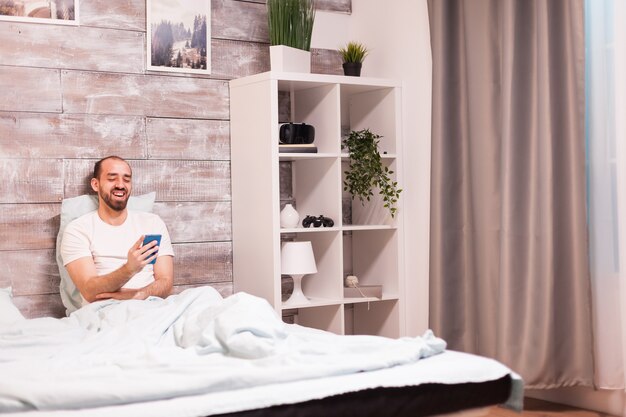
108	245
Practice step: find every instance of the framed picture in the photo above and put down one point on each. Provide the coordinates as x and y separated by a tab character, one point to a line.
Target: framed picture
60	12
179	35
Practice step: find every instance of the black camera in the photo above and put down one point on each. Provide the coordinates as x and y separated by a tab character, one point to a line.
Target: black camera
296	134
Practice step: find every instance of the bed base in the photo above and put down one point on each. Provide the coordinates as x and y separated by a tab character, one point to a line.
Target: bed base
432	400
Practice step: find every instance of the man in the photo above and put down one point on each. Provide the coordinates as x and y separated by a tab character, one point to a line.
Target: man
103	251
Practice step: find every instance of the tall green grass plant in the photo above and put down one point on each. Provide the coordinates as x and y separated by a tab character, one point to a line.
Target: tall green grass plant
291	22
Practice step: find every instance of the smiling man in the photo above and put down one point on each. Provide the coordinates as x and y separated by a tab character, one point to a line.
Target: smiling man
103	251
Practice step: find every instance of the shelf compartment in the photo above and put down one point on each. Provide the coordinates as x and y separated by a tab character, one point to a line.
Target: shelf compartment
328	317
316	188
372	109
327	252
381	318
372	256
318	106
372	212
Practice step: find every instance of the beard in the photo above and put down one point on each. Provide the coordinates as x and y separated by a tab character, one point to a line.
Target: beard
113	202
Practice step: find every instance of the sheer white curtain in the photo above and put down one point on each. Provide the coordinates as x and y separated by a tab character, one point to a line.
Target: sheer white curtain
606	143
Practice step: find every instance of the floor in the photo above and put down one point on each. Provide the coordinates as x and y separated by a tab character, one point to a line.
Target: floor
539	408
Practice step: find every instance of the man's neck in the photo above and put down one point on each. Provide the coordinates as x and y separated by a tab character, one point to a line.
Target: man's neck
110	216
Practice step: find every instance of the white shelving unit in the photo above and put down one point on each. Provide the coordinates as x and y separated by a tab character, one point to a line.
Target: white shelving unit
369	246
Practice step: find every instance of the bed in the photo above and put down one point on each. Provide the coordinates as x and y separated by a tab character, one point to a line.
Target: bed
199	354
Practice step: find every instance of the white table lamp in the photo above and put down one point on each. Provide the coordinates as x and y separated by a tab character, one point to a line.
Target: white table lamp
297	260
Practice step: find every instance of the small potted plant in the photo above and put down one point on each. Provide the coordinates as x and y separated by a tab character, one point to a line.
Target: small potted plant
367	171
290	25
353	55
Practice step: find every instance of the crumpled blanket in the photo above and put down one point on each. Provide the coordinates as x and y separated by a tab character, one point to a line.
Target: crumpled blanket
117	352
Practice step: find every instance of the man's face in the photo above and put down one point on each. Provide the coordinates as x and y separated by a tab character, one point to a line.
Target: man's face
115	184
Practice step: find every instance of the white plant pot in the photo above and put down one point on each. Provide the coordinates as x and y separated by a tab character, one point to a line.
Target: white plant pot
287	59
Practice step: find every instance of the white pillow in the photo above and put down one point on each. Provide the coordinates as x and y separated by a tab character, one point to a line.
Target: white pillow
73	208
9	314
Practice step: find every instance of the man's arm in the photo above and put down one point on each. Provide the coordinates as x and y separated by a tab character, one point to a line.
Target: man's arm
161	287
90	284
163	277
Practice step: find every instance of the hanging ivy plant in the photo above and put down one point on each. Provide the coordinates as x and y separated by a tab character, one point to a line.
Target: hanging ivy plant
367	170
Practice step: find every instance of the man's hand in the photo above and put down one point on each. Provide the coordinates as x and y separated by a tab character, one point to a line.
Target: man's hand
140	256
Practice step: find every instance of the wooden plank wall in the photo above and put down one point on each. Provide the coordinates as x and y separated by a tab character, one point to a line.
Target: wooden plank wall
70	95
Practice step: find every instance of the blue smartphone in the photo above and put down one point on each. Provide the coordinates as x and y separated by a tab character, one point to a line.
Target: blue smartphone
149	238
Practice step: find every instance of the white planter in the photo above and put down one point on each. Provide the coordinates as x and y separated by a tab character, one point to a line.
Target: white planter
287	59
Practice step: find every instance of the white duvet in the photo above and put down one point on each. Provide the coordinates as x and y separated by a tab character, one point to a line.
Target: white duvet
189	346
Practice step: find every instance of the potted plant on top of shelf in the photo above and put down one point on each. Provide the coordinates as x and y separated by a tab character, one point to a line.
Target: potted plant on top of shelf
367	171
290	27
353	55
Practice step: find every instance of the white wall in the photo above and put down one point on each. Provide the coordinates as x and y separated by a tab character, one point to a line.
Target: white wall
331	30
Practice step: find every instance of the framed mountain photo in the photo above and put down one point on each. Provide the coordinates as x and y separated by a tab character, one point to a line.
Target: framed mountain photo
179	36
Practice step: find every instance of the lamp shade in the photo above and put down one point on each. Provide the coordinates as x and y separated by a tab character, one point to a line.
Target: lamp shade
296	258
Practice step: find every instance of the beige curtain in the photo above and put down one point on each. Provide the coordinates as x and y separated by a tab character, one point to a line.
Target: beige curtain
509	253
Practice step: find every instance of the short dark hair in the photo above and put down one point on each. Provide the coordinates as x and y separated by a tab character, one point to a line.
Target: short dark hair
97	168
